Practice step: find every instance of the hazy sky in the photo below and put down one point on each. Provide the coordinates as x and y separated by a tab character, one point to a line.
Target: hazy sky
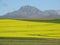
12	5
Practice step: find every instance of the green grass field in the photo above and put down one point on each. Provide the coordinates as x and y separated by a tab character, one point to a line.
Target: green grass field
29	42
30	28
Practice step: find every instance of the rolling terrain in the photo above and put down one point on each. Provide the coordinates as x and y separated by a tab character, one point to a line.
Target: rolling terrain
30	28
30	31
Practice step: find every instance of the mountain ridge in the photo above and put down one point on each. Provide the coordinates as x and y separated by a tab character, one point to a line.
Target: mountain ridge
32	12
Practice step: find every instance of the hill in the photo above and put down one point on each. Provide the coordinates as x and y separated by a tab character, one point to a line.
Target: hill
25	28
32	12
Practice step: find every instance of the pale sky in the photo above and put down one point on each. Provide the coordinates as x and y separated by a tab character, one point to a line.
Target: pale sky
12	5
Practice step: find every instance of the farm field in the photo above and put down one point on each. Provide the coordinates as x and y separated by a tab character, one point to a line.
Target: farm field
30	28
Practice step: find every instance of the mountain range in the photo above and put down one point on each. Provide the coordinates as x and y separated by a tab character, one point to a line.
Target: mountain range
32	12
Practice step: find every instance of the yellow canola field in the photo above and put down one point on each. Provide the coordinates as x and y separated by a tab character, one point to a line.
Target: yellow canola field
20	28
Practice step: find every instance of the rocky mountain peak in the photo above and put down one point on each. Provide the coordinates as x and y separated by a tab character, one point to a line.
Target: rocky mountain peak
32	12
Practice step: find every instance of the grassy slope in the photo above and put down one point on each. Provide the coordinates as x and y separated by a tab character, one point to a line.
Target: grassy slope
22	28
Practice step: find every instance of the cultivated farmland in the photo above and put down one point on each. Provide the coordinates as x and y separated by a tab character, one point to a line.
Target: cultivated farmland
30	28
